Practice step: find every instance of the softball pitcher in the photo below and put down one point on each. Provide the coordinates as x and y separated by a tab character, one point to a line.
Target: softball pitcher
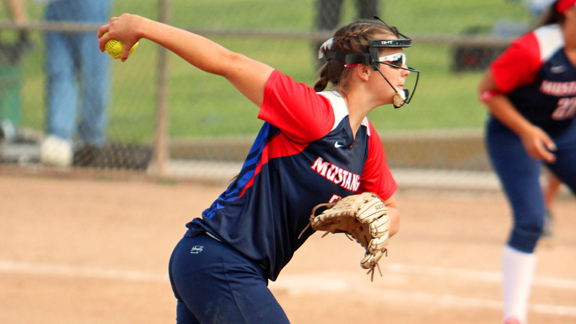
530	91
313	147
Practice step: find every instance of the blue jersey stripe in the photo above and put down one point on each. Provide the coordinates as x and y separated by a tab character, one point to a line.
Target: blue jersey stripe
249	167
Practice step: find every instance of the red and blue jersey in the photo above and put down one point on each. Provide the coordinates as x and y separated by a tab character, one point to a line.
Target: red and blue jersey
305	154
537	77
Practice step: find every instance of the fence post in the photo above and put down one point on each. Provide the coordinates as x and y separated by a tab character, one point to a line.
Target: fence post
161	140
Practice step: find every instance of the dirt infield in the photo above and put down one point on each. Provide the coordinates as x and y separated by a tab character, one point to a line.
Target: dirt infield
76	251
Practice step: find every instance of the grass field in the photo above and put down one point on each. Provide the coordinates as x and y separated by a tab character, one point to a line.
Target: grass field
205	105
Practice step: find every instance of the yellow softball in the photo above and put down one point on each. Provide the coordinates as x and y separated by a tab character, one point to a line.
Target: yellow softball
114	48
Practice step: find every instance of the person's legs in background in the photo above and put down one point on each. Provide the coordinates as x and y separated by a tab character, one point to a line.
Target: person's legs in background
94	69
66	55
56	149
519	175
95	91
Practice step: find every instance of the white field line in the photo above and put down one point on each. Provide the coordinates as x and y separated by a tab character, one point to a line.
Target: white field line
330	282
475	275
451	301
462	274
340	282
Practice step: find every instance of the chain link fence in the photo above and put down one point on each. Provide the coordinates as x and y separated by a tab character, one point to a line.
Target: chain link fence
66	106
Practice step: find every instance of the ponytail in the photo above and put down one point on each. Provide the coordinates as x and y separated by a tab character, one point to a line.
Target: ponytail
323	81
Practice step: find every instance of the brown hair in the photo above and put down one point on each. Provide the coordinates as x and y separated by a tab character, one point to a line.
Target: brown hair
352	38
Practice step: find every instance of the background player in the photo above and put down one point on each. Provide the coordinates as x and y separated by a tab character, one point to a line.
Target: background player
313	148
530	91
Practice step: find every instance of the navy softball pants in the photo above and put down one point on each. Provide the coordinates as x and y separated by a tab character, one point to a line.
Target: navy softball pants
520	174
213	283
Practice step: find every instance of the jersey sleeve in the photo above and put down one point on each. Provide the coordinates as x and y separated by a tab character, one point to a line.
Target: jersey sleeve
518	65
376	176
296	109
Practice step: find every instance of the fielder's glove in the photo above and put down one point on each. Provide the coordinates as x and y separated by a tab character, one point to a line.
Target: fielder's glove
363	217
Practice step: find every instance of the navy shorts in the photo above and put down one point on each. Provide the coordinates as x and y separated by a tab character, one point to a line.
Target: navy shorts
213	283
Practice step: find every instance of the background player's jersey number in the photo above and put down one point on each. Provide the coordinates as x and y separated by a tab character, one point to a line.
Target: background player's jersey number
566	109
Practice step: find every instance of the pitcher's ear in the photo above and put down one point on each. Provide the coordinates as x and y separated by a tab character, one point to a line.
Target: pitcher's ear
363	71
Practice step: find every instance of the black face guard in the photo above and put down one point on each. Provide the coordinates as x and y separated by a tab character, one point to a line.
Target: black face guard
372	59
